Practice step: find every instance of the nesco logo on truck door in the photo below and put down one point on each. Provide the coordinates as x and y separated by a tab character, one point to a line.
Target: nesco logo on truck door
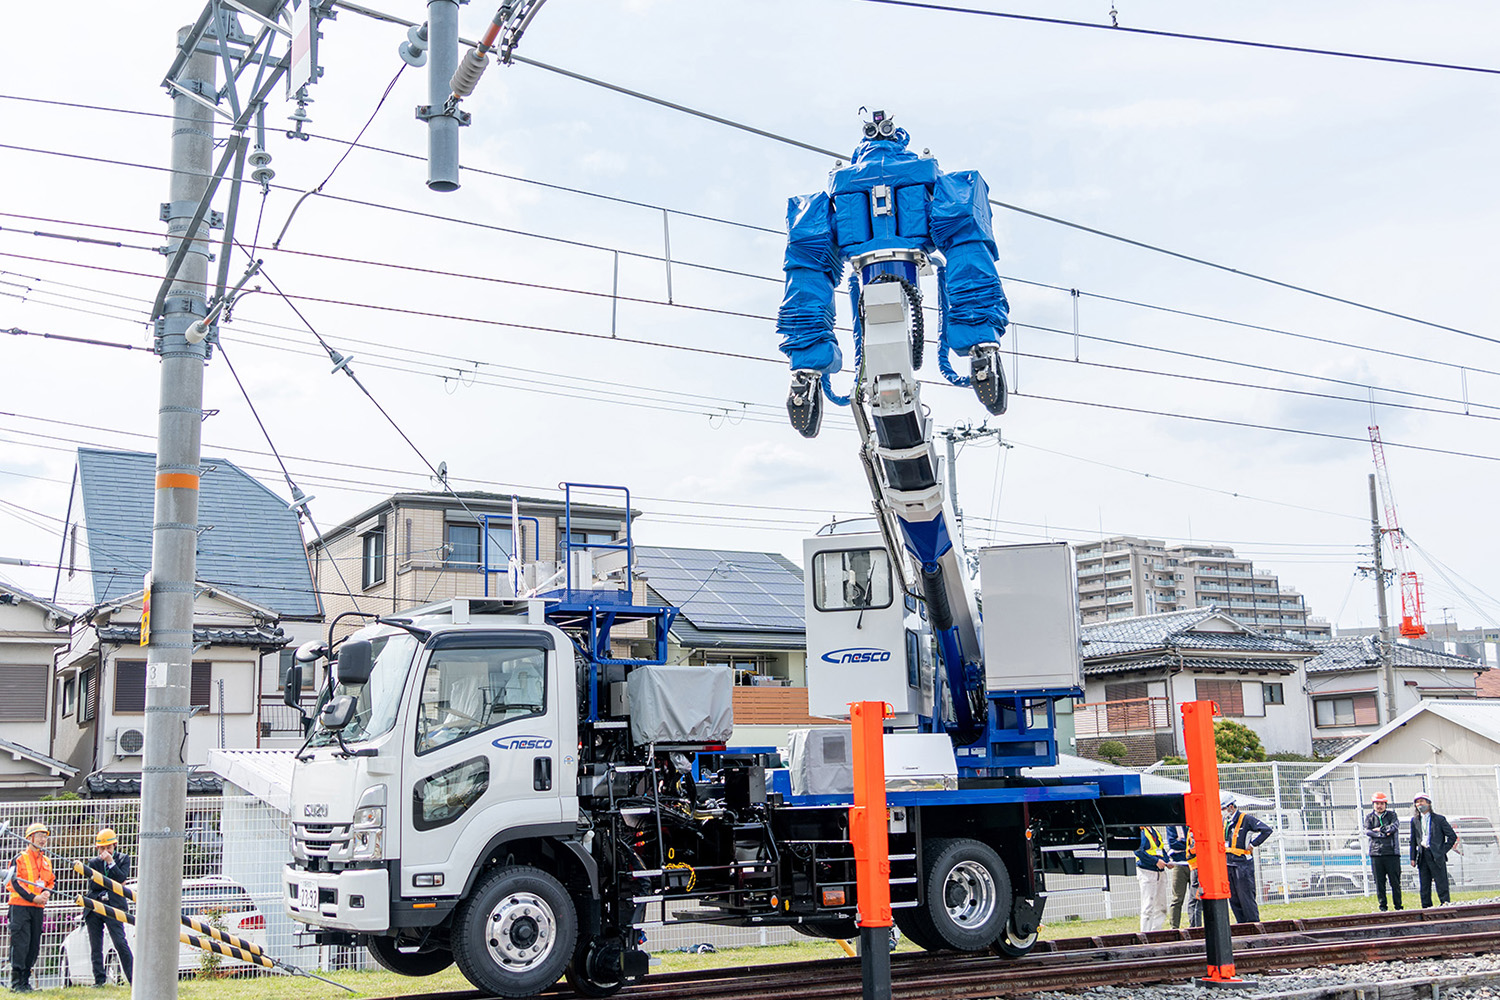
857	654
522	743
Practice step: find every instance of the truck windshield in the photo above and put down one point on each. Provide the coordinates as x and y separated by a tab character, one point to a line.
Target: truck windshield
377	701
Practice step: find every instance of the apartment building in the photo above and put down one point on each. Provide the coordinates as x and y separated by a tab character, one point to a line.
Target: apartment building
1127	577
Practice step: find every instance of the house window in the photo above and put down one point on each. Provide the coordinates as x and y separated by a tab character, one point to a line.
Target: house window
1274	694
462	546
372	558
1345	710
1126	707
130	686
1229	694
88	695
580	539
26	687
69	696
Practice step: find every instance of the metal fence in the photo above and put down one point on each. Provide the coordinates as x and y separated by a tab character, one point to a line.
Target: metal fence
236	846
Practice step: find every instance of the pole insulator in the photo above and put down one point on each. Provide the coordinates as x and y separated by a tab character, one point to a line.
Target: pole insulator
466	77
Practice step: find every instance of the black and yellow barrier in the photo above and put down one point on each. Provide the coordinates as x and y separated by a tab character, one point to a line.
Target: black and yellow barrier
192	923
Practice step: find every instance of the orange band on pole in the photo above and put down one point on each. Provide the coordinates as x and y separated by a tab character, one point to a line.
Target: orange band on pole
869	829
176	481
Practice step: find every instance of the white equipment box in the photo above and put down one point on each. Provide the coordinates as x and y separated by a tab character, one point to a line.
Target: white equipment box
1031	631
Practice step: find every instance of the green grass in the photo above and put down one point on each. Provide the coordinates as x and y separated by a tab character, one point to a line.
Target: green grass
380	984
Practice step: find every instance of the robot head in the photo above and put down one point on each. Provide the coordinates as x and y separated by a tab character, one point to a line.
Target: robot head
880	127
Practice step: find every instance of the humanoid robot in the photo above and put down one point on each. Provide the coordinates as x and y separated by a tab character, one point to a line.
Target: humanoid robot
890	213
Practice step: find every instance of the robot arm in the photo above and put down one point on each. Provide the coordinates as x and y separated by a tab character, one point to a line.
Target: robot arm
805	321
974	307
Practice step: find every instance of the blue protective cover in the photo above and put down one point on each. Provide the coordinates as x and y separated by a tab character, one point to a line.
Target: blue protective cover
929	210
813	264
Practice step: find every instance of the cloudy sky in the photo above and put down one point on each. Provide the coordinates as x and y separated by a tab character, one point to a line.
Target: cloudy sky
1202	405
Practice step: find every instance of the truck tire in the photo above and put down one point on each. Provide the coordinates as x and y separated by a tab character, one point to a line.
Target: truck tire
911	921
515	934
966	895
407	963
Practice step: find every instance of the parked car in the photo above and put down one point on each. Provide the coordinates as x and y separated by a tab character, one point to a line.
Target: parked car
210	898
1297	880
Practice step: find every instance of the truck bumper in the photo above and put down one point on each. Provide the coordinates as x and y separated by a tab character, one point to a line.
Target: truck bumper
355	900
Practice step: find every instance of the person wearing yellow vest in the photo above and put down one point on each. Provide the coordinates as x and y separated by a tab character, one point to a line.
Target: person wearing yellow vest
30	889
1243	833
1154	877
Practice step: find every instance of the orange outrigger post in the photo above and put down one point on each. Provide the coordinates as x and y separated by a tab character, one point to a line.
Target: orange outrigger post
1204	819
869	831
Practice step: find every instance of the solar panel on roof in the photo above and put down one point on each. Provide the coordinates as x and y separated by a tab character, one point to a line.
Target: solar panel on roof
725	589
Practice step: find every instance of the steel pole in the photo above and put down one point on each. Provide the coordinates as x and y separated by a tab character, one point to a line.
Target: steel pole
174	537
1387	653
442	128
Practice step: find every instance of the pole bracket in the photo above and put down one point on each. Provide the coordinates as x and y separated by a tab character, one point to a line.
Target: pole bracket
426	112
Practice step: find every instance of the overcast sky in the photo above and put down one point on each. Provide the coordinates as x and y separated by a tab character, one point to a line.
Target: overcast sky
1368	181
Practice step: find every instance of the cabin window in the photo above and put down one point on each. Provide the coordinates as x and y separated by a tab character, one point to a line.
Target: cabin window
469	690
854	579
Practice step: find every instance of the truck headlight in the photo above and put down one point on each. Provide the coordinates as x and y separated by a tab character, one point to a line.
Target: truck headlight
366	833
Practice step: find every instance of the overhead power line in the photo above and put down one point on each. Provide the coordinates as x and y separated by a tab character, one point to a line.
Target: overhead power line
1119	29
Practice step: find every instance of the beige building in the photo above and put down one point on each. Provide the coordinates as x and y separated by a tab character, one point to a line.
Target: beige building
29	639
1127	577
100	716
1440	732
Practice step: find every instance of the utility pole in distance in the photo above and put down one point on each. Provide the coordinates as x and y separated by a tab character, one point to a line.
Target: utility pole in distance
959	435
1383	642
168	633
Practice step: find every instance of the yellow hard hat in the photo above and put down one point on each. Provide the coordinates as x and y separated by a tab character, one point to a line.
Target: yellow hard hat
36	828
105	838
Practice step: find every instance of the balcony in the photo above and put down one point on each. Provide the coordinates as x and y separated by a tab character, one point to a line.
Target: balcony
279	724
1122	718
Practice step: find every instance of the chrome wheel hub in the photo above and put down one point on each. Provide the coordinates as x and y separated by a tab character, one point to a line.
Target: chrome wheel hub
520	932
969	894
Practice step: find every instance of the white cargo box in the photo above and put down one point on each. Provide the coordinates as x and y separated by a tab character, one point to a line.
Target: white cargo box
1031	630
821	762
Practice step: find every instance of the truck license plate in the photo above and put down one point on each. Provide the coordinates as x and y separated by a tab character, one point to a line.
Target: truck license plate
307	896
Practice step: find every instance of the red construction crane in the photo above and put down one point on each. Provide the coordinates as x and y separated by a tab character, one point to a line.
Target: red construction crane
1411	587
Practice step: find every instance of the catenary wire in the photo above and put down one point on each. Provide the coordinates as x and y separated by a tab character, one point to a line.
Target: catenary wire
1118	29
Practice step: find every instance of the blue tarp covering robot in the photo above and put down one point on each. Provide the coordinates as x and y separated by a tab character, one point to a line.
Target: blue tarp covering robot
887	212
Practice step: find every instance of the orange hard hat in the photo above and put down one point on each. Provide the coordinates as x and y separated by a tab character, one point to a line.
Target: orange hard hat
1379	797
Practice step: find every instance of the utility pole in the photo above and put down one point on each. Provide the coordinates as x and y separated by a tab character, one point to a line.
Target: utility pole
958	435
443	118
168	630
1383	641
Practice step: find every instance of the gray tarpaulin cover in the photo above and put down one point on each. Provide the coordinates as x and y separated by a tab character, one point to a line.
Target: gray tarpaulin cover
822	761
681	704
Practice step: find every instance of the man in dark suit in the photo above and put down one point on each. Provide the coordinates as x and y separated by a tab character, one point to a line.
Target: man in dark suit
1432	837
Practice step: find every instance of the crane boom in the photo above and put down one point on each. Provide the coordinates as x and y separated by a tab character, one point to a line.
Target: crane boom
1411	586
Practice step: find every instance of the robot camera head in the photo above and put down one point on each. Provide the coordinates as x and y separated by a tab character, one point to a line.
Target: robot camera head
880	126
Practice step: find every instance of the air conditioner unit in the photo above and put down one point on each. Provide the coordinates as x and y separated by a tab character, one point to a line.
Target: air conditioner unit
129	742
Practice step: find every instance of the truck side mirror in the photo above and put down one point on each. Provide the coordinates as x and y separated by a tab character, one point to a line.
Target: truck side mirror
356	662
291	685
338	712
311	651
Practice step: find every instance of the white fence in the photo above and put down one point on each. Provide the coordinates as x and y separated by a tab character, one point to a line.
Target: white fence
236	846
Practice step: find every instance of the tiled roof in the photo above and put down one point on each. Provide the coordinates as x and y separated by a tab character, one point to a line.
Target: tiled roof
726	591
29	598
36	755
1336	656
129	783
249	542
1228	663
1178	632
216	635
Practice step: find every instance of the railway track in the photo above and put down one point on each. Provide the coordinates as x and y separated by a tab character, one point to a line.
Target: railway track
1079	963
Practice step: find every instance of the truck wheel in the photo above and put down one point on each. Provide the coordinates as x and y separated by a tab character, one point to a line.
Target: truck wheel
967	893
407	963
516	932
913	923
1013	945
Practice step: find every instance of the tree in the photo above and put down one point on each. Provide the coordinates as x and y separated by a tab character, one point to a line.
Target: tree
1236	743
1112	750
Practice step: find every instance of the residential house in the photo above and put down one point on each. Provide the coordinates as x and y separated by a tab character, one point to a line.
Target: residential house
1345	682
1439	732
1139	671
249	545
29	639
100	720
415	548
1127	577
744	611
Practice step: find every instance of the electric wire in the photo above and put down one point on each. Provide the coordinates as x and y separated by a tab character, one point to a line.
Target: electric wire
1119	29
